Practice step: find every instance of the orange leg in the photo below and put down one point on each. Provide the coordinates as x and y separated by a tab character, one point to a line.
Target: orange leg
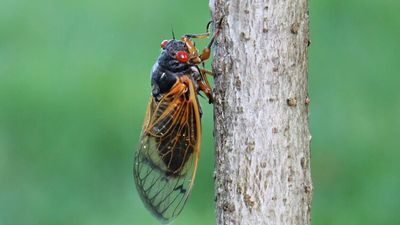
204	71
205	87
207	50
190	44
205	54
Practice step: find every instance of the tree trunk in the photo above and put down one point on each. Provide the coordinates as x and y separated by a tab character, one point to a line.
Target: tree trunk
261	112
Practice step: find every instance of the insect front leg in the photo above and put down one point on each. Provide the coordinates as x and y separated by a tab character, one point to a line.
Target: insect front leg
205	54
190	44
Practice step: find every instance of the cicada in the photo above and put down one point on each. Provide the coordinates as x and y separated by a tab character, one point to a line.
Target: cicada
166	160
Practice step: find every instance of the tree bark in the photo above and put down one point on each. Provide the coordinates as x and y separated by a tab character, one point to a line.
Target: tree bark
262	172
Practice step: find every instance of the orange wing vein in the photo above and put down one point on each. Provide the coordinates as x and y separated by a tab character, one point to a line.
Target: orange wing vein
166	161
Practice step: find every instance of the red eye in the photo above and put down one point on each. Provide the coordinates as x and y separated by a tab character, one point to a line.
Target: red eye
164	43
182	56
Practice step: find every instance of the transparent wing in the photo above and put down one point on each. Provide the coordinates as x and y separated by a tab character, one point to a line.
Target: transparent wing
166	161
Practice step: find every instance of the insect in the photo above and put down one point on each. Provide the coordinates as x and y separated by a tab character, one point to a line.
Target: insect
166	161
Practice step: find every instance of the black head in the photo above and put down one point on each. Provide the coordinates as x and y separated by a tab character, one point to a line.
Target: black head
173	46
174	56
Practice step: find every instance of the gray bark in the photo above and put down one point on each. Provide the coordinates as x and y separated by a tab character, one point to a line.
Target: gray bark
262	172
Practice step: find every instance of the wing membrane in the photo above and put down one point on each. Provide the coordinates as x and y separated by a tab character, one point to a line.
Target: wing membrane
166	161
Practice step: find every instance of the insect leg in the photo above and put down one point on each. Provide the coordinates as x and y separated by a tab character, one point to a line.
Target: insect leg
204	71
207	50
205	87
199	36
190	44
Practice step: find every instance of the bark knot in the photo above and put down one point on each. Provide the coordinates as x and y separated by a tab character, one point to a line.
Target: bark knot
295	28
292	101
247	200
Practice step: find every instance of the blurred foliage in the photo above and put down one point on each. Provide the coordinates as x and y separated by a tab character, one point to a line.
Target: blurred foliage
74	83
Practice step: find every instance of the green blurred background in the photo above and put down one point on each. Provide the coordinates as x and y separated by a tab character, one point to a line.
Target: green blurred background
74	83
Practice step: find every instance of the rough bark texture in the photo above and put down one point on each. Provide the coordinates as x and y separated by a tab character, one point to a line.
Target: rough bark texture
261	112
